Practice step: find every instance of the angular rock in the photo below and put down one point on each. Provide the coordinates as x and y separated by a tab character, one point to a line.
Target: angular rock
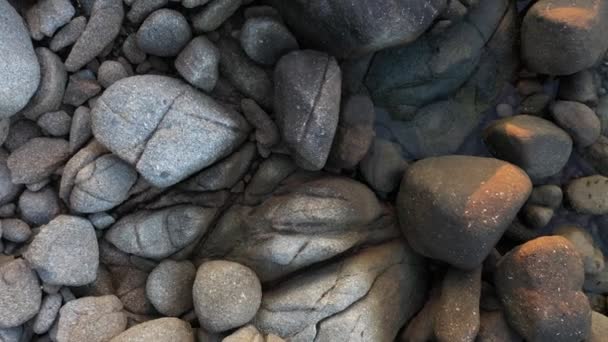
163	127
55	123
456	208
588	195
169	287
69	34
80	89
539	284
164	33
20	294
65	252
37	159
383	166
91	319
563	37
265	40
371	293
593	259
47	16
578	120
307	105
39	207
21	132
20	71
48	313
226	295
198	63
214	14
103	27
160	233
158	330
536	145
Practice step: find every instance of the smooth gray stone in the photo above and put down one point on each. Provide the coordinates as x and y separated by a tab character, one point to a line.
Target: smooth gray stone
214	14
83	157
111	72
91	319
47	16
55	123
169	287
164	33
80	131
48	313
198	63
69	34
158	330
265	40
143	8
15	230
383	166
20	294
21	132
37	159
39	207
131	51
80	89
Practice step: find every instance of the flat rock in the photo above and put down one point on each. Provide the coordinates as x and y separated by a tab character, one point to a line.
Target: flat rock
456	208
20	294
169	287
91	319
588	195
158	330
37	159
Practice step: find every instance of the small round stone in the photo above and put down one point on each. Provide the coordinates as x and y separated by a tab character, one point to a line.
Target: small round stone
164	33
265	40
169	287
226	295
56	123
39	207
198	63
109	72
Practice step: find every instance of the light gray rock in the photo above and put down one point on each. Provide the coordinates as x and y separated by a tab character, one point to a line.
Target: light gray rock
164	33
160	233
48	313
198	63
265	40
20	71
15	230
307	105
69	34
131	51
20	294
8	189
163	127
37	159
226	295
39	207
65	252
95	319
143	8
55	123
158	330
214	14
111	72
85	156
383	166
80	131
47	16
169	287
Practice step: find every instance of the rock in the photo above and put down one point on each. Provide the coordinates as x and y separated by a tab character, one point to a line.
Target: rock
40	207
579	87
15	230
587	195
250	333
8	189
307	95
48	313
80	131
102	185
131	51
69	34
420	328
299	225
266	131
355	132
370	293
158	234
198	63
457	315
65	252
593	259
53	79
529	86
47	16
130	287
193	3
262	11
80	89
169	287
456	208
347	29
82	158
164	33
599	327
578	120
111	72
534	144
597	283
383	166
11	334
226	295
267	177
537	216
143	8
265	40
101	220
563	37
535	104
182	131
494	328
20	71
546	195
91	319
214	14
37	159
20	294
55	123
21	131
539	284
597	155
158	330
597	302
103	27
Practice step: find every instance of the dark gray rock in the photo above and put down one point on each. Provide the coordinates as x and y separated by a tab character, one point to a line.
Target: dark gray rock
587	195
344	28
69	34
39	207
266	131
193	3
53	80
8	189
579	87
143	8
265	40
37	159
80	89
532	143
47	16
169	287
158	330
547	195
539	284
371	293
20	71
262	11
214	14
383	166
110	72
164	33
65	252
536	216
15	230
563	37
80	131
20	294
131	51
267	178
130	285
226	295
160	233
49	309
21	132
91	319
166	129
597	155
198	63
55	123
456	208
578	120
588	249
103	27
307	105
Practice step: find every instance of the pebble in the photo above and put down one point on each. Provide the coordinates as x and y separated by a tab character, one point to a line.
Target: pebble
69	34
198	63
47	16
578	120
593	259
504	110
65	252
39	207
80	89
250	333
131	51
49	310
80	130
8	189
265	40
579	87
383	166
494	327
15	230
587	195
158	330
111	72
546	195
91	319
55	123
20	294
37	159
169	287
266	131
213	15
535	104
21	132
143	8
599	327
537	216
164	33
